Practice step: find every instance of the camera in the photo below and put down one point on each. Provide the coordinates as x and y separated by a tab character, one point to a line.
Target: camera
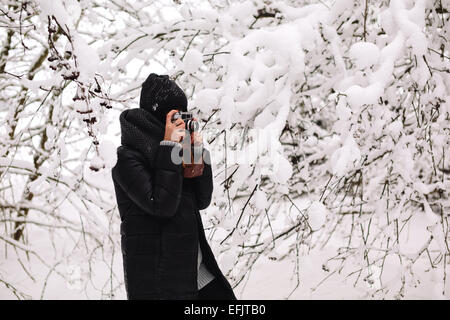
192	161
187	117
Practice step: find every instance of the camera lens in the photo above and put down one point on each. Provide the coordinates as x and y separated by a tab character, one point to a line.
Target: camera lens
192	125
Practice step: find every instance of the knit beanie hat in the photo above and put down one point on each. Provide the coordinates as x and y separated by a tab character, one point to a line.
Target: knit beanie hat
159	95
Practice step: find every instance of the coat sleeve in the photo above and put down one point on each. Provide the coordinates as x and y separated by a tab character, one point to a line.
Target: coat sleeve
159	198
203	185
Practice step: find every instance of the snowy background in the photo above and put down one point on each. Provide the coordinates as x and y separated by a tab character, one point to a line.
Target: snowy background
327	121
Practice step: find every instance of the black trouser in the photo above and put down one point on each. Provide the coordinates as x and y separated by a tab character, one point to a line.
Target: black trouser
215	290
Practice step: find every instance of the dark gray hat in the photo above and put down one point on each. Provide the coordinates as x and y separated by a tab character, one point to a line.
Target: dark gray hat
159	95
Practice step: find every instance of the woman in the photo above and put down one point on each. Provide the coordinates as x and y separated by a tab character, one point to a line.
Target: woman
165	251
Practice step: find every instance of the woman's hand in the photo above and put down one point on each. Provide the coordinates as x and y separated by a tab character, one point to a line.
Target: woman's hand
175	131
196	138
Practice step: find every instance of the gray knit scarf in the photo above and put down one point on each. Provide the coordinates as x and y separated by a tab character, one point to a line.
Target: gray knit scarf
141	131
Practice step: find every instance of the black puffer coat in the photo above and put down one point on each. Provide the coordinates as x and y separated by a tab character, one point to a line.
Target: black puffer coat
161	224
